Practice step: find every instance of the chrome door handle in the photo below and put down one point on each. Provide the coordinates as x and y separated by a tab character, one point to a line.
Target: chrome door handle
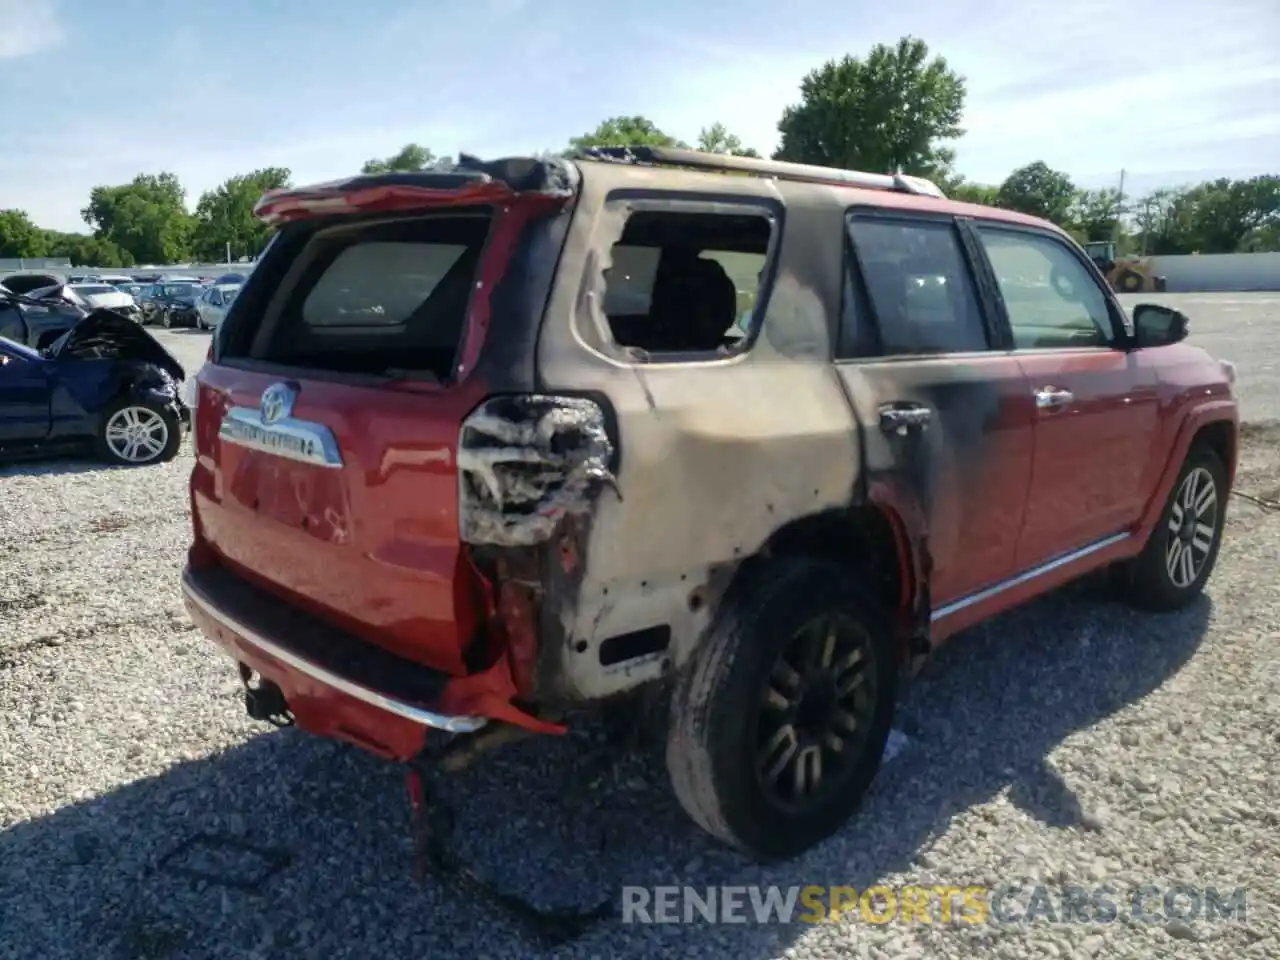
1047	397
901	419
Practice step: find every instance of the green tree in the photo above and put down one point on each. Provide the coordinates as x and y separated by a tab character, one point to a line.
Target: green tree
147	217
979	193
888	112
624	132
1224	212
1164	222
87	251
411	158
717	139
1038	190
19	237
1264	239
224	215
1096	214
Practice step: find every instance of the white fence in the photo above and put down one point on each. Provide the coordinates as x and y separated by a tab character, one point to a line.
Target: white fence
1213	272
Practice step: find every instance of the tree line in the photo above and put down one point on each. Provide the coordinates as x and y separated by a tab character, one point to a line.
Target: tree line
895	109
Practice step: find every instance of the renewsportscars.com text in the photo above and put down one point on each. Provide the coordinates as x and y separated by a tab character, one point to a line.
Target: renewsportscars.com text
971	905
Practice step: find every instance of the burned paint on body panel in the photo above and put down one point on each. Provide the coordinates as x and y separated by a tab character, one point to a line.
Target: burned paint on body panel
716	453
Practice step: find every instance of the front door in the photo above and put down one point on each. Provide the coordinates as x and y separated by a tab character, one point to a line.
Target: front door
1096	404
24	399
947	420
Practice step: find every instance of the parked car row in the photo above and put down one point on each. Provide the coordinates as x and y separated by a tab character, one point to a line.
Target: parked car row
168	302
187	303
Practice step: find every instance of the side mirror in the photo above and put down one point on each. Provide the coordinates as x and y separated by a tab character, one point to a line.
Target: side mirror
1158	326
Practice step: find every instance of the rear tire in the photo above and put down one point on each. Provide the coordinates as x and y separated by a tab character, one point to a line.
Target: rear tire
799	647
1182	550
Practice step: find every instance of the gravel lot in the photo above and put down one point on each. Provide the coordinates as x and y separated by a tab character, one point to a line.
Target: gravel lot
1069	742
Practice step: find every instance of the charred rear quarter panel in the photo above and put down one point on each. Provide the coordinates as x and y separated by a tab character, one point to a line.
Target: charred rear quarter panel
714	456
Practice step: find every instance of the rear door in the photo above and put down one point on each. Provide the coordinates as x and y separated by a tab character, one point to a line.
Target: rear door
947	418
1096	404
24	398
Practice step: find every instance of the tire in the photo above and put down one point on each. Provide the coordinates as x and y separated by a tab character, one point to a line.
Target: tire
110	448
1130	282
720	718
166	320
1147	581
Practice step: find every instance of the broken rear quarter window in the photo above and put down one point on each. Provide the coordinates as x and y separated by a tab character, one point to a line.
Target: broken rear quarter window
682	282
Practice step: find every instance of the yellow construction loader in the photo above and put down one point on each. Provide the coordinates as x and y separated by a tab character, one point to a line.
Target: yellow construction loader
1125	274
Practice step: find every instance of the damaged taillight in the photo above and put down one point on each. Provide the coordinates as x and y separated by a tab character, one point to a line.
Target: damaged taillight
527	461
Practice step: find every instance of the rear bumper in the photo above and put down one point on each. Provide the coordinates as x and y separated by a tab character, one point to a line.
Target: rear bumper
335	684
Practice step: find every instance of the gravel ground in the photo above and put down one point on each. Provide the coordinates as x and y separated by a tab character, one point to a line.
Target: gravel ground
1069	742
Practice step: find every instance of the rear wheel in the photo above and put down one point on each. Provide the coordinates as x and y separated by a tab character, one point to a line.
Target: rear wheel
137	433
1182	550
779	723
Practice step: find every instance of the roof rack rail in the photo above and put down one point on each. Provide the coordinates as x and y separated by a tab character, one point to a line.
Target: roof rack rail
779	169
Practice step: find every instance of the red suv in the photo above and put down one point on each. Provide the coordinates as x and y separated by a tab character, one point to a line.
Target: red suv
479	446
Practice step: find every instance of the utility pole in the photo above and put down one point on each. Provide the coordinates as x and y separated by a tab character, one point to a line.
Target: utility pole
228	253
1115	226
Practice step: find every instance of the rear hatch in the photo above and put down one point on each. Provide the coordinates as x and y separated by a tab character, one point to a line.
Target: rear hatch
329	412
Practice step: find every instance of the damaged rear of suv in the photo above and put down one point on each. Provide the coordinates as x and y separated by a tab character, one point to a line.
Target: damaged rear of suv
479	446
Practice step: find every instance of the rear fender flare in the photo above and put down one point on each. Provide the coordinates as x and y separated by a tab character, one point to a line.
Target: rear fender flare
1215	411
907	528
909	522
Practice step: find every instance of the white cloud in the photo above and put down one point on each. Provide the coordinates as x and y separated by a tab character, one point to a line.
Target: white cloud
27	27
1046	81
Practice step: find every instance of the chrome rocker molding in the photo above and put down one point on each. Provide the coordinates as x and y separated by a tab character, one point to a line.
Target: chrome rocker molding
427	718
1048	566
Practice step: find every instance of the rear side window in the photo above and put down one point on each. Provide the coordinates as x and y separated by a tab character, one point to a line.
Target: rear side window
634	270
916	282
685	282
385	298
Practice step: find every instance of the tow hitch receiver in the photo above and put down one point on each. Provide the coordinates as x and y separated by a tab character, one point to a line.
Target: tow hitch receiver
433	822
265	701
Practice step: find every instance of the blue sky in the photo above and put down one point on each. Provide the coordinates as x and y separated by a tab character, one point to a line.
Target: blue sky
94	91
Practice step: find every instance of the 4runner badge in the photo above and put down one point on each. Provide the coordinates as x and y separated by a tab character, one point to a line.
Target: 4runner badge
272	428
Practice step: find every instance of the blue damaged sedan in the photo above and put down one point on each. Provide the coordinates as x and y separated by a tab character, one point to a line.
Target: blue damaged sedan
106	386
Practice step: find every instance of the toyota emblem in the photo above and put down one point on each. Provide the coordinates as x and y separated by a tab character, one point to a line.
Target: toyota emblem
277	402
